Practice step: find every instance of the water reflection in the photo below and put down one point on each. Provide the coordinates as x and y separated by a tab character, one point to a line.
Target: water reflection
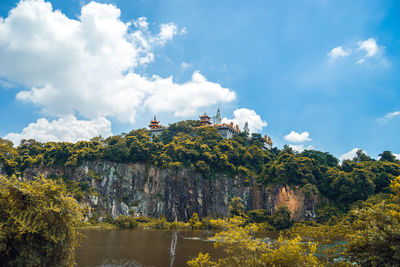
142	247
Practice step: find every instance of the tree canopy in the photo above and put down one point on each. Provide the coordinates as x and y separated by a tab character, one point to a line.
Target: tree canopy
37	223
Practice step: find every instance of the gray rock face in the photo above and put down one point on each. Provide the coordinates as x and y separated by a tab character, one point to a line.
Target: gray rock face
140	190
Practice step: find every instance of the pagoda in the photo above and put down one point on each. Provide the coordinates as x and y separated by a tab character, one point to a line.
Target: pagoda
155	128
154	124
205	120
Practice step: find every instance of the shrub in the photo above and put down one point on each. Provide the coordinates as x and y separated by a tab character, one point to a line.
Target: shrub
125	222
281	218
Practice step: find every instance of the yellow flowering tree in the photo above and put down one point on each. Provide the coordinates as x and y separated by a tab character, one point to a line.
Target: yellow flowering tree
375	238
244	249
37	223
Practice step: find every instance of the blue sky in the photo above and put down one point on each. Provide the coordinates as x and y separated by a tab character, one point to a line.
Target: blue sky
327	68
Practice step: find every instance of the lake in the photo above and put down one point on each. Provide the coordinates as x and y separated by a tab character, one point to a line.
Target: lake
142	247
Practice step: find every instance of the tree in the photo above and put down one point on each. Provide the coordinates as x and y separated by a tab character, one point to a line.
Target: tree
281	218
37	223
323	158
236	207
8	157
243	249
387	156
348	187
361	156
292	169
375	238
116	149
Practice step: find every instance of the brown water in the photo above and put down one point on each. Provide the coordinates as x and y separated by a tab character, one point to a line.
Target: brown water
143	247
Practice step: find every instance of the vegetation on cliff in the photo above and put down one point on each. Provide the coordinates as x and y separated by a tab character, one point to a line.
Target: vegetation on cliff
185	145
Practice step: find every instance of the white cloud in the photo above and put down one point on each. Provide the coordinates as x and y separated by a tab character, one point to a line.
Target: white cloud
6	84
369	46
243	115
185	99
167	32
339	52
298	137
86	66
389	116
351	154
301	148
185	65
397	156
362	60
67	129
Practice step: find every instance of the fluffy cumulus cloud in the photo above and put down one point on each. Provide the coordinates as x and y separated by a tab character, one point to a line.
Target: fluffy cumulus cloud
243	115
87	66
67	129
397	156
295	137
351	154
369	46
301	148
338	52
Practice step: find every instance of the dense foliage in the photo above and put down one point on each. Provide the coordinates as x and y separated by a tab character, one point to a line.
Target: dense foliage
244	249
375	231
186	145
37	223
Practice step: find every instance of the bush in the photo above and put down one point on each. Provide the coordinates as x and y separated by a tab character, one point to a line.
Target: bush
37	223
236	207
194	222
258	216
162	223
206	224
125	222
281	218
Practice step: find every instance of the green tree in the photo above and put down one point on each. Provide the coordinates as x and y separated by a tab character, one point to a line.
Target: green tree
37	223
323	158
375	238
361	156
236	207
387	156
8	157
281	218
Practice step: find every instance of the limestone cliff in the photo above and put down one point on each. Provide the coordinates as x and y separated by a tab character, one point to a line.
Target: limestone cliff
147	190
300	206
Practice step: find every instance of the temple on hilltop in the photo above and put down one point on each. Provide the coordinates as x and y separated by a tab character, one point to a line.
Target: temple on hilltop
267	142
155	128
205	120
224	129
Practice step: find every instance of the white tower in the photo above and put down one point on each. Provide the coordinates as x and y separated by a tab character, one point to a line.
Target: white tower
218	117
246	128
